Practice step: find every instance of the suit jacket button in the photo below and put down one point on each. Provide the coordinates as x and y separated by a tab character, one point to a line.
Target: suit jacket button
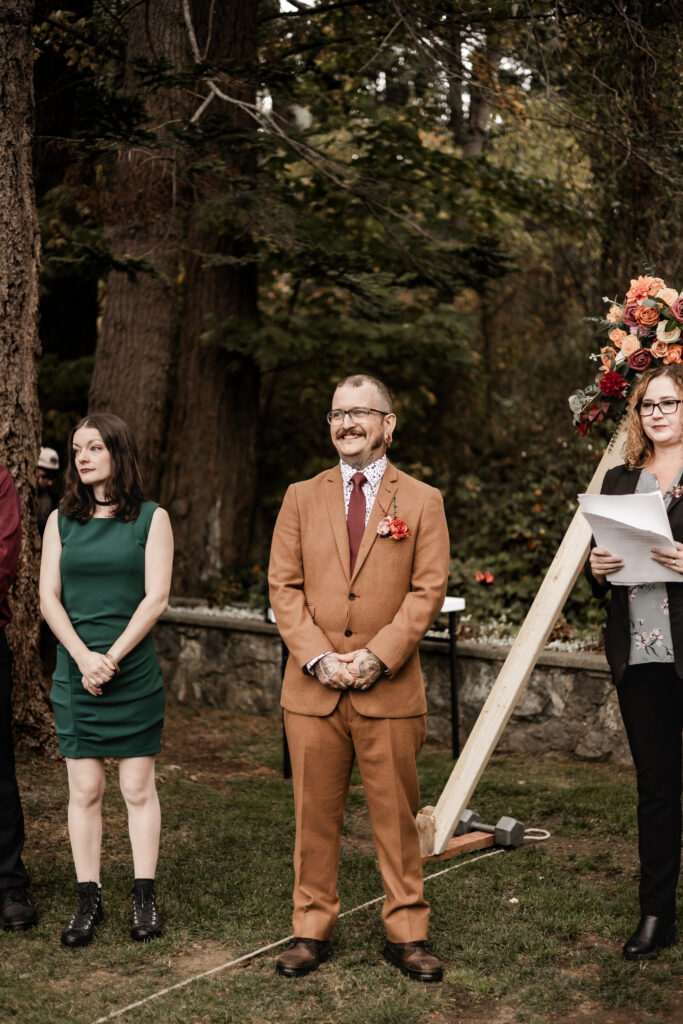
352	597
348	632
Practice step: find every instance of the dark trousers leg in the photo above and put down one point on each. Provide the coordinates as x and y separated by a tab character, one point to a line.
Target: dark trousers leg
12	871
651	701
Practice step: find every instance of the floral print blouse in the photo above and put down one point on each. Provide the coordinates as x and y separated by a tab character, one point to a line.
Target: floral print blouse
648	603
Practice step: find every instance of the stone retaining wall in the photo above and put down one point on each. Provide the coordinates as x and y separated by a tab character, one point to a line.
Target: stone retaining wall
569	706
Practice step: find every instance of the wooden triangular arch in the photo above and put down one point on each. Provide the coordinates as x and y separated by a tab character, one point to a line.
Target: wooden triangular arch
436	825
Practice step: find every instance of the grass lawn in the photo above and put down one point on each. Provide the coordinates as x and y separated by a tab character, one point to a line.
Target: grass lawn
533	935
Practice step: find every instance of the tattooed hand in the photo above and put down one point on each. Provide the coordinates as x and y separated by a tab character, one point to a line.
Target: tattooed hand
333	672
366	667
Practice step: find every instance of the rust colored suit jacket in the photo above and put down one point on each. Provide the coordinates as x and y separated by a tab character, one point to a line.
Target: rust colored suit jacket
393	597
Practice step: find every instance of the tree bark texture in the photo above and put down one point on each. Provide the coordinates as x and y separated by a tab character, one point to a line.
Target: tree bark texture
210	480
20	425
192	406
143	216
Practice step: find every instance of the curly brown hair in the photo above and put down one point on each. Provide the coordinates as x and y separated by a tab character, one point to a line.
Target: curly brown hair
638	447
125	485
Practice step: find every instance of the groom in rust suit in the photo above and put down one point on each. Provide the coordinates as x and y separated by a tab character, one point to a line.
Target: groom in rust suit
358	572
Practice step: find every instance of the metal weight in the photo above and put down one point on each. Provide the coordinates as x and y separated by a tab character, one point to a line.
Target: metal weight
507	832
465	824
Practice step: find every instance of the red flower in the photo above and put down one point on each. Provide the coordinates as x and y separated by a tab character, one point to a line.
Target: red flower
613	385
485	577
399	529
640	359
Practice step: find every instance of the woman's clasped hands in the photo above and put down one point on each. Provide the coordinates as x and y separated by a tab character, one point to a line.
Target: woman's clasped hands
96	670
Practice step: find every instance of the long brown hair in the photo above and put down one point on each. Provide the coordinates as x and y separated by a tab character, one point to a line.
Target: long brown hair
125	484
638	447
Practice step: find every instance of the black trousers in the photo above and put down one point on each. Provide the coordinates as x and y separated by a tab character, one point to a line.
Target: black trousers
12	870
651	701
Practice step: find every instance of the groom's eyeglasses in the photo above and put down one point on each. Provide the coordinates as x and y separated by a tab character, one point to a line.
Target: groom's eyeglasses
667	407
357	415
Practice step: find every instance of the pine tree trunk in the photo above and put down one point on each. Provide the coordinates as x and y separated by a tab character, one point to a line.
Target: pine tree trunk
20	427
143	215
210	479
155	211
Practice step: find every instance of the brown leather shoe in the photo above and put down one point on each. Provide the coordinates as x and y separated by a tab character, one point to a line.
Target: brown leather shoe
413	959
303	956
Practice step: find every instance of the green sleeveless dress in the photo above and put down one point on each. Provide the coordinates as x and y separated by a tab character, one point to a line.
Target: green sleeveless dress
103	581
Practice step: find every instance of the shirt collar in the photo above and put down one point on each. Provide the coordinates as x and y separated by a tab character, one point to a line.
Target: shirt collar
372	473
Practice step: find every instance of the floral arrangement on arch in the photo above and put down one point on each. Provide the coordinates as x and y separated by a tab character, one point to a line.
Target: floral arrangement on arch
642	332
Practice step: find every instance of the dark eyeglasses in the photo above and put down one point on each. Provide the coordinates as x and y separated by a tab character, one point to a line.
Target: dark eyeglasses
667	407
357	415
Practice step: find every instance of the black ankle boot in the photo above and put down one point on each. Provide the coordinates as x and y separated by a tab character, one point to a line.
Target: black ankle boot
146	917
651	934
89	912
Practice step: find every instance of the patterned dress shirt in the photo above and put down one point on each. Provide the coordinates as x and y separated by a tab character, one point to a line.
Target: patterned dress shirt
651	639
373	477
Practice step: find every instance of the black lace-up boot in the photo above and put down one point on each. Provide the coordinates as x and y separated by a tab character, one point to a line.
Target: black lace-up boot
80	928
146	917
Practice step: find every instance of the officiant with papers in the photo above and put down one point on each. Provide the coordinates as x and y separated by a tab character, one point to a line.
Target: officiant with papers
644	645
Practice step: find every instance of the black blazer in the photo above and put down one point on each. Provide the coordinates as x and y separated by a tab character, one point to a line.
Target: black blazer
621	480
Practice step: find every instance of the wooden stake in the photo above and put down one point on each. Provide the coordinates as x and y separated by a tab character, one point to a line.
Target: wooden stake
436	827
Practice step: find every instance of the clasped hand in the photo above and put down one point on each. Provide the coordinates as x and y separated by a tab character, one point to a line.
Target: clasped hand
357	670
603	563
97	669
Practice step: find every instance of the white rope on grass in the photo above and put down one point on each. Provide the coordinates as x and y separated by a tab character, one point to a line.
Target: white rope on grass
536	835
272	945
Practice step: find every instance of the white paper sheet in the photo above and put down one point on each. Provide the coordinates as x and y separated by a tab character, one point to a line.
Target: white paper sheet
629	525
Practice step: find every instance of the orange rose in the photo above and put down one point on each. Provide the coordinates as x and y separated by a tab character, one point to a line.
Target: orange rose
616	336
647	316
608	355
614	315
630	345
659	349
673	354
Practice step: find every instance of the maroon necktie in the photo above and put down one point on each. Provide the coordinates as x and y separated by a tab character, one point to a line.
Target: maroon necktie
356	519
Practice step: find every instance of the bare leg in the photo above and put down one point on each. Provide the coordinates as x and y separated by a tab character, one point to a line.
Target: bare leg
86	789
136	778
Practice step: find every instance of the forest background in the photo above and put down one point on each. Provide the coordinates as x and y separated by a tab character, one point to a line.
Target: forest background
240	201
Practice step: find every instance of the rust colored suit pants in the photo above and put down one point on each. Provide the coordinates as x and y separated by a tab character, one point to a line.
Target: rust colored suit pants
322	751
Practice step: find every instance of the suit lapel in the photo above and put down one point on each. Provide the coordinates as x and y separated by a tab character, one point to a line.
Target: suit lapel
672	505
381	507
334	494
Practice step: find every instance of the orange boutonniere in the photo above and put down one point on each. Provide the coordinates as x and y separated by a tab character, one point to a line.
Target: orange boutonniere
390	525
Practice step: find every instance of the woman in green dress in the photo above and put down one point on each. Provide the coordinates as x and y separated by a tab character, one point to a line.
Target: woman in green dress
104	581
